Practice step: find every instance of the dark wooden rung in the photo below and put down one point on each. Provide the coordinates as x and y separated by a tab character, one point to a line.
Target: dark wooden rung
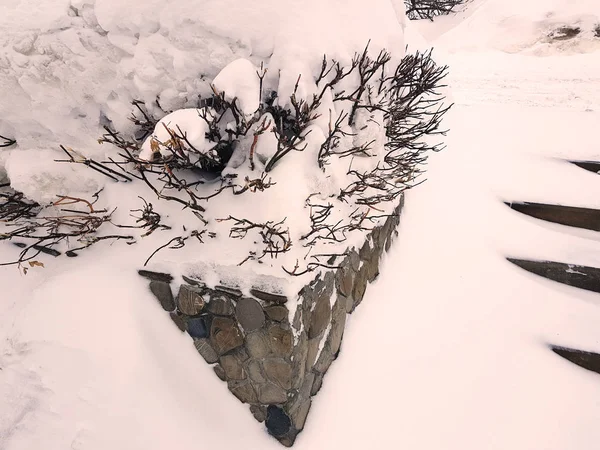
592	166
587	360
582	277
571	216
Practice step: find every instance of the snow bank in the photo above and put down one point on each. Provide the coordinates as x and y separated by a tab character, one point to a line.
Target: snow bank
515	26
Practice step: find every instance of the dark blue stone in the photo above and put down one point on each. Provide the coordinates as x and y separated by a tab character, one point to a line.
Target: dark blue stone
278	423
197	328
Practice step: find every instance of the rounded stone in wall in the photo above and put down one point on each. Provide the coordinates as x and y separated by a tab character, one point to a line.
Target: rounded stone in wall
190	300
249	314
225	335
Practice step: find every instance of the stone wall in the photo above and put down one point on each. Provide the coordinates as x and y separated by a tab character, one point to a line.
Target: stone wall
270	361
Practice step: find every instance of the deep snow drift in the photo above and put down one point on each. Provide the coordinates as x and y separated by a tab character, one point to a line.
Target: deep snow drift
455	337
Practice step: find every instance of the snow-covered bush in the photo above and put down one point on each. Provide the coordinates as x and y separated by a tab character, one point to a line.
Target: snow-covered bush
428	9
338	145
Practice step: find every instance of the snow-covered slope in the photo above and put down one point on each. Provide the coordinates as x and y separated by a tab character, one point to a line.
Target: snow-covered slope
89	362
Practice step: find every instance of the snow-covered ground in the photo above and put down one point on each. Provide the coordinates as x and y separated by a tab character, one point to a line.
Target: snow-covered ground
448	350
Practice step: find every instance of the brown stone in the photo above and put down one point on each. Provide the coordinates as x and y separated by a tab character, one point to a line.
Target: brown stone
255	371
190	300
280	341
225	335
249	314
277	313
206	350
372	267
349	304
299	360
220	305
365	251
257	344
354	261
345	280
279	372
162	292
317	384
232	367
313	349
326	357
270	393
243	390
321	315
338	325
299	416
360	286
269	297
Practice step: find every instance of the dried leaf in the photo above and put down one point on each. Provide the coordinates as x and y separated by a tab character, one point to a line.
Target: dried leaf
35	264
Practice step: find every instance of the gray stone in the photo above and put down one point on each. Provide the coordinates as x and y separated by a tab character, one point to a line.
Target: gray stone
225	335
162	291
270	393
259	412
255	372
156	276
232	367
234	292
249	314
219	372
277	313
279	372
280	341
178	320
257	344
243	390
190	300
317	384
206	350
321	315
269	297
220	305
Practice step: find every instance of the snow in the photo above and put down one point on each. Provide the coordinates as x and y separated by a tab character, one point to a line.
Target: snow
239	80
448	349
183	122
